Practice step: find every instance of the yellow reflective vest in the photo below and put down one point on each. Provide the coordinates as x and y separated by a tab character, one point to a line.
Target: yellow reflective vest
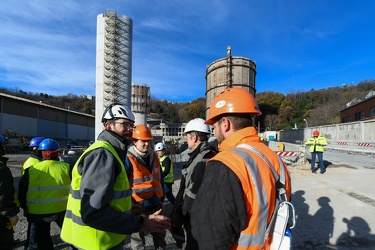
29	162
317	144
48	188
74	230
169	178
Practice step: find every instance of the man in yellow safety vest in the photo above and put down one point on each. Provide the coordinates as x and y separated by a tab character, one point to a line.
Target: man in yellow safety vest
43	193
167	168
99	211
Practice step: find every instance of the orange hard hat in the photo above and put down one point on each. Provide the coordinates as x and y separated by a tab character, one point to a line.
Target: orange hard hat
142	132
233	101
316	133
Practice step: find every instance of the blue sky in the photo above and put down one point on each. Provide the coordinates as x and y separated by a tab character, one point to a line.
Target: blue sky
49	46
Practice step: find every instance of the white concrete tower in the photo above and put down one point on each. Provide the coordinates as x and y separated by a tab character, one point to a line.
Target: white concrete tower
113	63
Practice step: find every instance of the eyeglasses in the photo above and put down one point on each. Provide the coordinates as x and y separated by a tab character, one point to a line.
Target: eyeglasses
126	125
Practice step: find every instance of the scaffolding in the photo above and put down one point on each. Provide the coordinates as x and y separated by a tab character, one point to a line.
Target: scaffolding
117	59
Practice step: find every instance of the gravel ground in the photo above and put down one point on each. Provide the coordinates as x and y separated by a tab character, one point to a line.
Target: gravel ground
15	163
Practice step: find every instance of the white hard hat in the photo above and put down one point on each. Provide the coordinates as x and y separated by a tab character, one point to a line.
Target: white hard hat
159	146
198	125
117	111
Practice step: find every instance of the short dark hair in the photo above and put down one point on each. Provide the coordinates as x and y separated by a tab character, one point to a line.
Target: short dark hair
240	121
202	136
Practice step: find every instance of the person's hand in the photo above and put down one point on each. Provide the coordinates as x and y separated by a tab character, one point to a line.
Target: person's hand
156	222
12	222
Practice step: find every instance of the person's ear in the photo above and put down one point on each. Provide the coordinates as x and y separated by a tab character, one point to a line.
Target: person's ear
226	124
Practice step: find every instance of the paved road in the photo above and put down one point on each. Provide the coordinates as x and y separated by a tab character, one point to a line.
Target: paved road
334	210
354	160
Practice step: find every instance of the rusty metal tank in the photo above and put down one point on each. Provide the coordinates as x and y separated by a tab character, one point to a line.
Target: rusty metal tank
229	72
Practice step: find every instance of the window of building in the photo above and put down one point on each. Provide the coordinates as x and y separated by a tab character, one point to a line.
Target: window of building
359	116
346	119
372	111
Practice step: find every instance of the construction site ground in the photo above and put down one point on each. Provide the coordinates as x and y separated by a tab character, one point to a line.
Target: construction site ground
334	210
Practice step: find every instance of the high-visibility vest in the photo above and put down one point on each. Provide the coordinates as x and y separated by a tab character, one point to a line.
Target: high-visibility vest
74	230
29	162
317	144
144	184
259	191
169	178
48	189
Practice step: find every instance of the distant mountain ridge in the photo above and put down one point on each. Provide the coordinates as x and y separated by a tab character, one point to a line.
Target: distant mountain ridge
279	111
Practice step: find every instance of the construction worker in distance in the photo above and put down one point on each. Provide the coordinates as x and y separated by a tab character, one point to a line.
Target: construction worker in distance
43	193
34	158
99	211
167	168
197	134
236	200
146	182
35	154
317	143
8	206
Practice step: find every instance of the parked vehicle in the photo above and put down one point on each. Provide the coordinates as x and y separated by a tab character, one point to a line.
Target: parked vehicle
71	144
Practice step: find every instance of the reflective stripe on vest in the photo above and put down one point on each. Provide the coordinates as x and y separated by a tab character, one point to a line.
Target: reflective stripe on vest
317	144
48	188
74	230
145	184
280	188
246	240
169	178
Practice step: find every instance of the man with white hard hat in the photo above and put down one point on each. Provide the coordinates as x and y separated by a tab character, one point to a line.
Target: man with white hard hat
197	134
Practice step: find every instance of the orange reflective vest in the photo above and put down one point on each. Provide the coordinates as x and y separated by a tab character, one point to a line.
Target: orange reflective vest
258	183
143	183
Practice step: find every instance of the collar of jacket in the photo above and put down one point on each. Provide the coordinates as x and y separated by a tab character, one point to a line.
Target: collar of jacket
193	153
134	150
117	142
248	133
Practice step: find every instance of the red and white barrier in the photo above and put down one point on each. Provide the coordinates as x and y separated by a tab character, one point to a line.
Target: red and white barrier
287	153
364	144
342	143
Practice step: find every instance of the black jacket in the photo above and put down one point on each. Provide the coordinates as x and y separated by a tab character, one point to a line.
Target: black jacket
192	176
209	217
8	207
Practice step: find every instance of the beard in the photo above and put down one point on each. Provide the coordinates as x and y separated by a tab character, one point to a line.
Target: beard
219	136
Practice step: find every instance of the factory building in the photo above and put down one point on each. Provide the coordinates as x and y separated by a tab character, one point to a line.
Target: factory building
31	118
